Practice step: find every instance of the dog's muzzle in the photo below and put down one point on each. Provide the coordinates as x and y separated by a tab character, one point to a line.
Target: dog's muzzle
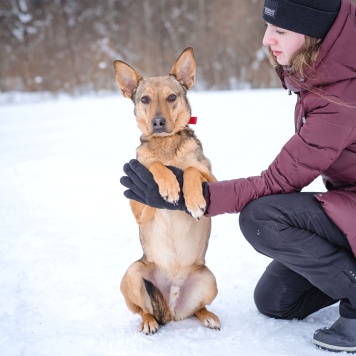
159	124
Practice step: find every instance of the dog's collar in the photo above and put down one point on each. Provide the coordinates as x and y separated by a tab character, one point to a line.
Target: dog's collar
193	120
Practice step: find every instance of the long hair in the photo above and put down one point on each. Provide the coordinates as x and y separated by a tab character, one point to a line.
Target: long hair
303	58
301	61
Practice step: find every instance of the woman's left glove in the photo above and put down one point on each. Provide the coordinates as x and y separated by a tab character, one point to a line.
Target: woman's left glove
142	187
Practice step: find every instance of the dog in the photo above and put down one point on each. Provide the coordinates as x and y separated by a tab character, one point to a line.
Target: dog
170	282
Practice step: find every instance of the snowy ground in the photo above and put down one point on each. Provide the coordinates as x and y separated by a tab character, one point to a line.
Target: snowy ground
67	234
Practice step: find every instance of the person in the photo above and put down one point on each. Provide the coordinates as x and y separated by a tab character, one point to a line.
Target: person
310	237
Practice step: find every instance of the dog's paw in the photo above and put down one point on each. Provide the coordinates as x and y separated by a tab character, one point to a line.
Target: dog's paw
169	188
212	322
196	205
149	325
208	319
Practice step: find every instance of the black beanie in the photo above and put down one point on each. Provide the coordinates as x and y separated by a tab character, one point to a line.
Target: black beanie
308	17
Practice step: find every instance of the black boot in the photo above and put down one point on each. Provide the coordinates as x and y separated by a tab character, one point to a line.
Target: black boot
340	337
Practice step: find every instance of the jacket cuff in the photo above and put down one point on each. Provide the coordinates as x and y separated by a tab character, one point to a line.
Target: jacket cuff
206	194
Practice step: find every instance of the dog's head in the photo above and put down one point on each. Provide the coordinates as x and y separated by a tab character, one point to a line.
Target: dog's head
161	104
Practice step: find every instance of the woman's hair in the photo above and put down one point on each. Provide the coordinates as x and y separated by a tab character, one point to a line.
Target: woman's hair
303	58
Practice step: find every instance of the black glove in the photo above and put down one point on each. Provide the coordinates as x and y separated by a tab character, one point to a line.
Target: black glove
144	189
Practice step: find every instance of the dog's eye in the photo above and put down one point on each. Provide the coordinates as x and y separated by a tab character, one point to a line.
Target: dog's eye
145	99
172	97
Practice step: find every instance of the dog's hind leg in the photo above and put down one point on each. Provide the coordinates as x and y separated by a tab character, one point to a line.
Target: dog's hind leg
138	299
199	289
206	317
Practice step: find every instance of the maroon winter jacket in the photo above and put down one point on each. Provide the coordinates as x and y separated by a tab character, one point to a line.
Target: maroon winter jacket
324	142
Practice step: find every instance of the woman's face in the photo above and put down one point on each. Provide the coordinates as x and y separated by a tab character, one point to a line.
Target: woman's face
283	43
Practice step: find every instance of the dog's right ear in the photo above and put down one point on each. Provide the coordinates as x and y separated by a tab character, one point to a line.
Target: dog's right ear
127	78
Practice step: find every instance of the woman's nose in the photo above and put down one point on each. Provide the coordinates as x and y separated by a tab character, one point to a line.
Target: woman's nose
268	38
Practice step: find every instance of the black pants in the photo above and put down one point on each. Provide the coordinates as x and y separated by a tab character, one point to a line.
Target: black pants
312	266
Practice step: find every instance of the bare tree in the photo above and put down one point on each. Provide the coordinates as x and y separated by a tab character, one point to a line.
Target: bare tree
69	46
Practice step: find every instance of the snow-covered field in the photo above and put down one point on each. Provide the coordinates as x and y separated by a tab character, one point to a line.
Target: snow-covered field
67	234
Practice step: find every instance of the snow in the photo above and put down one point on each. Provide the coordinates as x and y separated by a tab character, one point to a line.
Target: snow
67	234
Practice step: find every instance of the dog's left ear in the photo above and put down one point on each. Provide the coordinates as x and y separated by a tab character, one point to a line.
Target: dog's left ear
184	68
127	78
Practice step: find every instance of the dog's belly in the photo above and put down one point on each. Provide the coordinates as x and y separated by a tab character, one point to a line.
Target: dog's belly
174	240
183	291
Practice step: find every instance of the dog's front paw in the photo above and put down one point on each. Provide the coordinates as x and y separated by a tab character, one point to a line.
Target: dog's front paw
168	187
196	205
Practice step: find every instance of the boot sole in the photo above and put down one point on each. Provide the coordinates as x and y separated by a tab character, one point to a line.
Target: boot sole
333	348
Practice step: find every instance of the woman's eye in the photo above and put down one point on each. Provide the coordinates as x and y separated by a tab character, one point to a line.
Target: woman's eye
145	99
172	97
280	32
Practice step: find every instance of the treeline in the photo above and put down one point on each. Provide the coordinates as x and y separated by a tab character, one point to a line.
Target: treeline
70	45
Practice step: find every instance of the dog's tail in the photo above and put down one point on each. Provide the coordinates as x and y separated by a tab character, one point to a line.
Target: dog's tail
160	307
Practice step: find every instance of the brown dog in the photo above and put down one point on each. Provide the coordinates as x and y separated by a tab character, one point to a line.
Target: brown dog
170	281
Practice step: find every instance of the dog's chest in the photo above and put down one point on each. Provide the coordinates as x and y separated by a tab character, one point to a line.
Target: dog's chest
172	150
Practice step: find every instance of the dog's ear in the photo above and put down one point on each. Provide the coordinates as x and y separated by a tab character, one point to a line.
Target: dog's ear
127	78
184	68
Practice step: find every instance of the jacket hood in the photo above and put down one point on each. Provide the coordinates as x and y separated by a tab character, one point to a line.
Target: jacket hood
337	57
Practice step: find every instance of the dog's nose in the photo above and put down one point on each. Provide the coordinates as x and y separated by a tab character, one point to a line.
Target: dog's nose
158	124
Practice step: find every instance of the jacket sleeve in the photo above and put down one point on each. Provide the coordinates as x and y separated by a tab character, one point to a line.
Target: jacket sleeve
329	128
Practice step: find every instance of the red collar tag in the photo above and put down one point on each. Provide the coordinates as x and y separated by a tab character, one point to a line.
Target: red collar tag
193	120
